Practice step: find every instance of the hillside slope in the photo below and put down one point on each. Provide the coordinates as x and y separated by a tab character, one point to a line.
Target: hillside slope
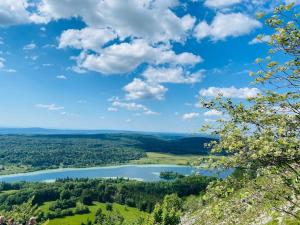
230	202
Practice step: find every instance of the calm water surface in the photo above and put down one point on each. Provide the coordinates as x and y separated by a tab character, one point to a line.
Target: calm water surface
139	172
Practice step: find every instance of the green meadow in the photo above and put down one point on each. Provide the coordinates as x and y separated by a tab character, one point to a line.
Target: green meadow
130	214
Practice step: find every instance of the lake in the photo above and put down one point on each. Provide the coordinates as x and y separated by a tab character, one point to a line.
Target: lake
138	172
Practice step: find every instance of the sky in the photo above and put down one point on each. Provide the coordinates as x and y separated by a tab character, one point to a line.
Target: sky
136	65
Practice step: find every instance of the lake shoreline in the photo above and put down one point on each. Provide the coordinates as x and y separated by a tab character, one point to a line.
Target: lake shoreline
152	158
89	168
146	172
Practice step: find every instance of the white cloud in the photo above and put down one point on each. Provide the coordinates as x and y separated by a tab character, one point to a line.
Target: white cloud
33	57
117	104
132	106
47	64
2	61
3	68
220	3
209	120
125	57
226	25
213	112
265	38
147	19
149	24
150	112
13	12
30	46
139	89
190	116
231	92
49	46
50	107
171	75
87	38
61	77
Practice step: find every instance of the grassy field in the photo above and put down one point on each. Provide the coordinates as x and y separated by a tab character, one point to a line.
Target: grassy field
10	192
12	169
129	213
165	158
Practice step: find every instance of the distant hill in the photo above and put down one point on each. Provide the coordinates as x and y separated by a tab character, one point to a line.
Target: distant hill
163	143
47	131
35	147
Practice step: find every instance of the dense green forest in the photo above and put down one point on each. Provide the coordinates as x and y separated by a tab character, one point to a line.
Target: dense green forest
71	197
51	151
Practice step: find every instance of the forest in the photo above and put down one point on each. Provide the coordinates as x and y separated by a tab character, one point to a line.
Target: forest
69	197
52	151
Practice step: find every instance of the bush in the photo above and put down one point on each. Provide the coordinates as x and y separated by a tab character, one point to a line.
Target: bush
81	209
109	207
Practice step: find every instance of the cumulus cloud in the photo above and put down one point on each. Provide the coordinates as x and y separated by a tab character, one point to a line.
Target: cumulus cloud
50	107
150	20
226	25
171	75
190	116
13	12
220	3
150	25
125	57
213	112
139	89
231	92
87	38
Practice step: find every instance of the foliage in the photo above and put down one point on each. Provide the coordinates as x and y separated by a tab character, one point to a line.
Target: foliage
21	213
167	213
52	151
131	215
170	175
262	136
72	196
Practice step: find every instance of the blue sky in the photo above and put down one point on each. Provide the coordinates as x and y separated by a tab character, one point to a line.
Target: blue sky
130	65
